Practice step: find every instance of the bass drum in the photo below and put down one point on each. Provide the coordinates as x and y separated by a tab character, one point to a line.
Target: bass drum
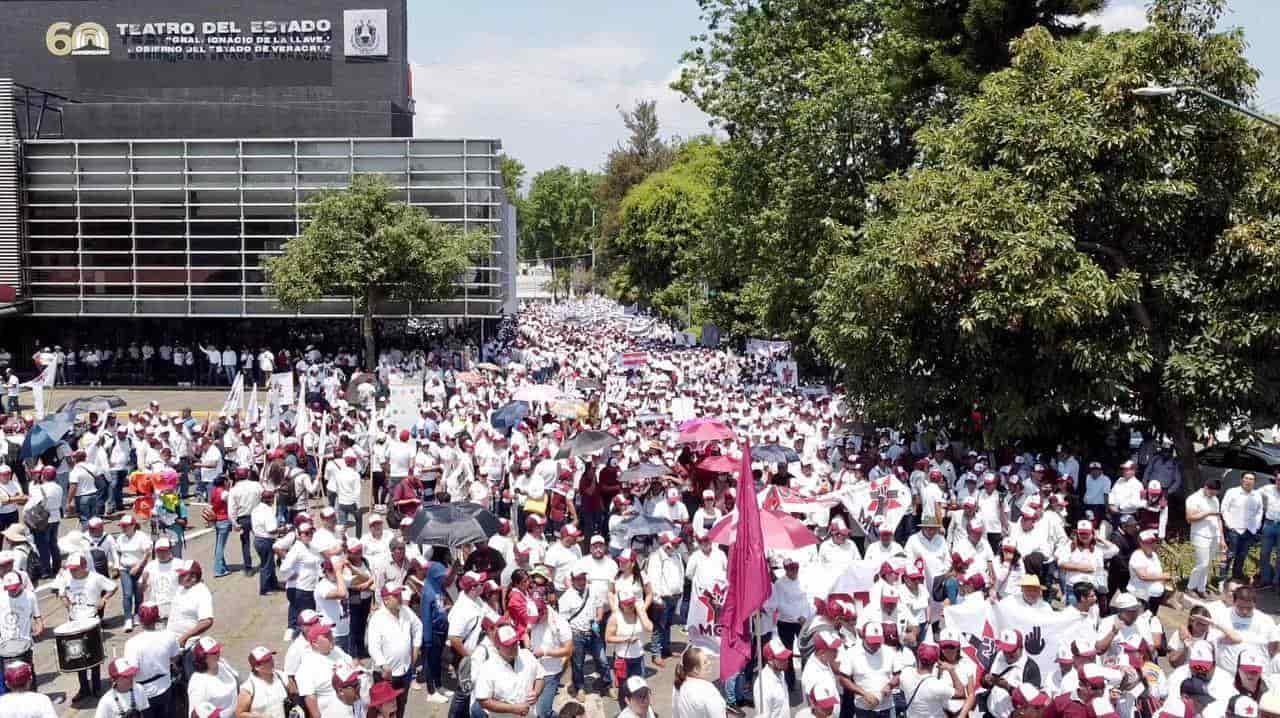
79	645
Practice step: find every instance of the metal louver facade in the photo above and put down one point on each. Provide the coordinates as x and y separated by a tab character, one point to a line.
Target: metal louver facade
11	225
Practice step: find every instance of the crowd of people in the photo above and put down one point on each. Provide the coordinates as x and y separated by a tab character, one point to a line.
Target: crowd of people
595	559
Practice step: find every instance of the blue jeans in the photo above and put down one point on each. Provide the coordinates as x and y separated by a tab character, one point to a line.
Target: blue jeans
222	531
129	594
550	686
660	645
1270	540
1238	545
952	587
86	506
47	549
117	489
584	643
266	565
231	373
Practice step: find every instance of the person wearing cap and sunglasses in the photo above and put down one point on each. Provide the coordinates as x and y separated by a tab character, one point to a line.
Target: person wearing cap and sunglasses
20	698
154	651
126	699
508	682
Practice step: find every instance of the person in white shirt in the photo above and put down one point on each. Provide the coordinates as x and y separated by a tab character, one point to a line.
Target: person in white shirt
771	692
706	566
1097	486
191	611
244	495
265	528
348	484
393	639
133	551
1208	538
563	554
126	699
210	466
301	570
314	678
265	690
153	651
931	684
837	553
84	595
82	488
551	642
1242	512
508	683
20	698
665	575
1126	496
695	695
331	599
637	696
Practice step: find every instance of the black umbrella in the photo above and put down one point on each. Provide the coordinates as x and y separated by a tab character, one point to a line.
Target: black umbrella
644	471
453	525
585	443
774	454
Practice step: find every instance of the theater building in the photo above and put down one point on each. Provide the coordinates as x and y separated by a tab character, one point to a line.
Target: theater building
153	153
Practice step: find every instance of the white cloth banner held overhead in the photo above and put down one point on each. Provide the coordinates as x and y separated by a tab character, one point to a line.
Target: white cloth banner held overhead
1042	631
235	397
252	414
705	603
968	617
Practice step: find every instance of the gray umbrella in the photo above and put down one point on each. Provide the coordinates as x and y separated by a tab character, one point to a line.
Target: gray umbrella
453	525
585	443
644	471
97	402
643	525
774	454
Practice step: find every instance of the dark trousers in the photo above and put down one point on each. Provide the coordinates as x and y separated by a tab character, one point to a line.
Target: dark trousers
1238	545
161	705
47	549
299	601
460	706
359	622
664	615
266	566
246	539
788	632
90	681
432	659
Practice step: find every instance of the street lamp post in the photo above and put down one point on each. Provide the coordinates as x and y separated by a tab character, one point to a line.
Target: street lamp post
1162	91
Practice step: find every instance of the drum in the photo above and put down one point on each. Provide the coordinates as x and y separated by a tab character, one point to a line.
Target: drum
79	645
16	649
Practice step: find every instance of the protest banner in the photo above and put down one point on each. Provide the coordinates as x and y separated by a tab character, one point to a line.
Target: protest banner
705	604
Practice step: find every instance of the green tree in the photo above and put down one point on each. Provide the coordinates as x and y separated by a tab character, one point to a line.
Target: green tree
559	213
363	243
821	99
1064	247
664	227
643	153
513	172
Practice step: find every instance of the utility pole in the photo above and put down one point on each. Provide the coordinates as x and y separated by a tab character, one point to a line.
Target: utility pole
1160	91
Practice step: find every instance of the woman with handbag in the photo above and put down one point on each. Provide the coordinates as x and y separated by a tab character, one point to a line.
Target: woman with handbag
628	631
264	694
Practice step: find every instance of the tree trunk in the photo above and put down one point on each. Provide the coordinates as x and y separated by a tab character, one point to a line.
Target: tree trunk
1184	442
367	330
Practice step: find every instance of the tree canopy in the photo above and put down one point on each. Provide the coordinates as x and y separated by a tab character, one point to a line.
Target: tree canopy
559	213
1063	246
365	243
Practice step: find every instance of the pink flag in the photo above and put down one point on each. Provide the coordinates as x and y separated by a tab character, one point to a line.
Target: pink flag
749	584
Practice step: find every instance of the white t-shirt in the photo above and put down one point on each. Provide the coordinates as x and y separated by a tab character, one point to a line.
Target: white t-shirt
152	651
698	699
1206	529
84	593
117	705
267	698
130	550
509	682
399	459
315	677
221	690
548	635
26	704
190	606
17	613
49	492
933	694
211	455
333	609
162	583
1139	561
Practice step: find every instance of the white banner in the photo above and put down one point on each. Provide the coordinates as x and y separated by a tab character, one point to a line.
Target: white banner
705	603
235	397
787	373
968	617
858	578
615	388
282	388
1042	630
767	348
402	406
252	415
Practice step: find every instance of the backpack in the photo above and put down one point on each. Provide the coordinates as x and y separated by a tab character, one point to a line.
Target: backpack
287	491
37	517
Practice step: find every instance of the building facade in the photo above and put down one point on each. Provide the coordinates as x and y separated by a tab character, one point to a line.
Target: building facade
157	154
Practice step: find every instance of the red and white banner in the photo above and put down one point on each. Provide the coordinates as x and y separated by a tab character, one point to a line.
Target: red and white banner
795	501
633	360
705	604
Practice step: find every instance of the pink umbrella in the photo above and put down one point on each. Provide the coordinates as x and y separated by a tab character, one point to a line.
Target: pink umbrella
699	430
537	392
782	532
718	464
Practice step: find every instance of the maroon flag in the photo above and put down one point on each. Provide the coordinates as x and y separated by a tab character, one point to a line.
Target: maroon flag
749	584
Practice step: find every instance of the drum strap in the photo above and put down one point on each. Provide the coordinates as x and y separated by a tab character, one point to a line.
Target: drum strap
152	679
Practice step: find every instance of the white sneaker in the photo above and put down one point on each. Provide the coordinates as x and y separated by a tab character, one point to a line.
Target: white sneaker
128	625
437	698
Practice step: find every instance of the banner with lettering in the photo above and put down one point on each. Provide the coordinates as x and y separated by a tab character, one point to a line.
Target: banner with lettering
705	603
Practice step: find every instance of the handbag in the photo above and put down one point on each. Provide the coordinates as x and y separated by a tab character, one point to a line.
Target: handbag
619	671
536	506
